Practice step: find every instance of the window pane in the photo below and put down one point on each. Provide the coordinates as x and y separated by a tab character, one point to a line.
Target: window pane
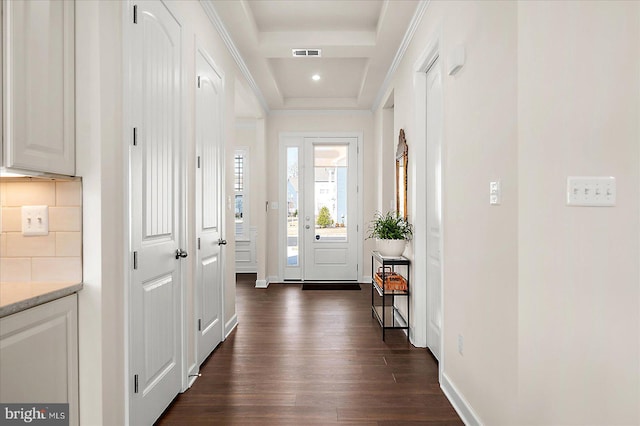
239	173
239	214
292	206
330	191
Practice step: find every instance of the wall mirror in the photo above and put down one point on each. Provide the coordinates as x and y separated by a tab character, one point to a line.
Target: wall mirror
401	175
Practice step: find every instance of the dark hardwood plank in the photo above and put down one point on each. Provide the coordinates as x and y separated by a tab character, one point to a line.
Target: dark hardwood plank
312	358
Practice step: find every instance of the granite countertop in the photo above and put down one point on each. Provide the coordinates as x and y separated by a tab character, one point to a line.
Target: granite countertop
16	297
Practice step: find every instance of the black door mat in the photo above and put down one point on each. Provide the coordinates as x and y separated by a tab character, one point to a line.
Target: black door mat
331	286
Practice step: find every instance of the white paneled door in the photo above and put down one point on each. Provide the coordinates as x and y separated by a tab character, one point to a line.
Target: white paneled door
156	236
330	212
434	208
209	204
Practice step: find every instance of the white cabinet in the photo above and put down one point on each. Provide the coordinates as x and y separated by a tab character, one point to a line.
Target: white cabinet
39	355
38	86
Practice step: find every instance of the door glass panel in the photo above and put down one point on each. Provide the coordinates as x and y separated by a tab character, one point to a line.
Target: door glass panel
330	192
239	215
292	206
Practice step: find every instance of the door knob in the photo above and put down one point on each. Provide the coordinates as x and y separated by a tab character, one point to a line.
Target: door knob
222	242
307	227
181	254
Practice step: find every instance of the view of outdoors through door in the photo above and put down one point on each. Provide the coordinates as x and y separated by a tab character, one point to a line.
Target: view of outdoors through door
293	182
330	192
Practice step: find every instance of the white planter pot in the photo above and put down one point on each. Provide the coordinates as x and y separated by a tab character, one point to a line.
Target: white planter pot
392	248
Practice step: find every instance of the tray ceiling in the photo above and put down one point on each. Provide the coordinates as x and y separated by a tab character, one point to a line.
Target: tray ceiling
358	38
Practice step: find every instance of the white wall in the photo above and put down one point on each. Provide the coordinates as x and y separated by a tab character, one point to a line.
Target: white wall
101	161
480	241
578	114
355	121
549	312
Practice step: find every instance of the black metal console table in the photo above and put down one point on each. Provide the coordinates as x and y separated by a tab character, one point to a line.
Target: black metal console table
383	296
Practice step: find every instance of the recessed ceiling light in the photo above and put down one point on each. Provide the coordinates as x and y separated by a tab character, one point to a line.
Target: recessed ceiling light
315	77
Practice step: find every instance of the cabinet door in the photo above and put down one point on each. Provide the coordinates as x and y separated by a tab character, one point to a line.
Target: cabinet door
38	74
39	355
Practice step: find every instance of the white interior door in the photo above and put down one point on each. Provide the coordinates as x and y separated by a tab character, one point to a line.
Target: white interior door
329	217
156	286
209	204
434	208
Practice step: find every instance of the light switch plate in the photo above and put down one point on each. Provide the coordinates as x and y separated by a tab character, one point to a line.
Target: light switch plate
35	220
495	193
591	191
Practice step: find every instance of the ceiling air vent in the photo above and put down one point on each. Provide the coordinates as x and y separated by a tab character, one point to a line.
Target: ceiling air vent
306	53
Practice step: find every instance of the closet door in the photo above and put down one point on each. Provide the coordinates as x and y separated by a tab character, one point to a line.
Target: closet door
209	204
156	286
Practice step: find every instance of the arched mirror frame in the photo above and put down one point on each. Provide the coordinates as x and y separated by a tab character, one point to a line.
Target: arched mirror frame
402	157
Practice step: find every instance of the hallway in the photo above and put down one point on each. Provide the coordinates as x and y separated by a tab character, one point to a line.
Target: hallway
312	357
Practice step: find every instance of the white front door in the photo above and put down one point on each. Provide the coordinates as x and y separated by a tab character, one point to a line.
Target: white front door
330	209
434	207
156	234
209	204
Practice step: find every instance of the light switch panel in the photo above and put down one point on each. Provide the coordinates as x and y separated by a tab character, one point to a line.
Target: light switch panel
495	193
35	220
591	191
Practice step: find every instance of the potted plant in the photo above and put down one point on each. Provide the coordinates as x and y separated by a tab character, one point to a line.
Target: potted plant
391	232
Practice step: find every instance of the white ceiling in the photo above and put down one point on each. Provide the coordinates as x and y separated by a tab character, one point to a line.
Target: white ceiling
359	40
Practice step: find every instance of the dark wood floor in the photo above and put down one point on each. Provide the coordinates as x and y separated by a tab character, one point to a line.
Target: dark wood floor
312	357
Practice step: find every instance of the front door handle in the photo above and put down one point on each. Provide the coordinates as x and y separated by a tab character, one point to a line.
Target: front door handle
181	254
222	242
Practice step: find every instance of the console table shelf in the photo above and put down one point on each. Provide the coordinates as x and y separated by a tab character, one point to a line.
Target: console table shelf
383	300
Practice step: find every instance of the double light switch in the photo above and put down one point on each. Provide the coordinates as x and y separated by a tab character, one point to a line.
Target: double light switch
35	220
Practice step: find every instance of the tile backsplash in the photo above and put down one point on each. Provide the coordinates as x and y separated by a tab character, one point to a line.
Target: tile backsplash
53	257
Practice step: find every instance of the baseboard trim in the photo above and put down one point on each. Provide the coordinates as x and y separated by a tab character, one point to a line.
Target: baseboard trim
230	325
462	407
262	284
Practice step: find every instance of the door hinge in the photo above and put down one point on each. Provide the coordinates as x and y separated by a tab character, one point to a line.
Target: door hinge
135	13
198	243
357	228
198	161
135	384
199	325
135	136
198	82
135	260
357	149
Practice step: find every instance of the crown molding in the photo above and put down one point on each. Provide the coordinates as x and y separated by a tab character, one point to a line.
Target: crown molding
320	112
406	40
210	10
